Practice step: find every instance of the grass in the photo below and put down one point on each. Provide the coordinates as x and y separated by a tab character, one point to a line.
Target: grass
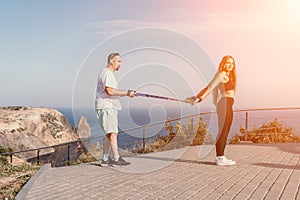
13	177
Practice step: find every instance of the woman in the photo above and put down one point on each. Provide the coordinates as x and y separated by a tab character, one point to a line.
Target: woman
225	82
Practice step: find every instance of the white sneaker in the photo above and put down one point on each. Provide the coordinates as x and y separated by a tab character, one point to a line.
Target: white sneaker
223	161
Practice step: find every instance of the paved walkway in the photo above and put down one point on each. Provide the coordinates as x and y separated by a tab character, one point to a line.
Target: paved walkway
262	172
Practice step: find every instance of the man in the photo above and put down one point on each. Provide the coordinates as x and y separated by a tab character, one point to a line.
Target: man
107	105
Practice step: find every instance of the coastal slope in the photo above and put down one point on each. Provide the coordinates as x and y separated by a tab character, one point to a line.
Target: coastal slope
23	128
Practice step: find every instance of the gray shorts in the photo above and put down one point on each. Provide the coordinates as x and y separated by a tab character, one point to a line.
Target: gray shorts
108	120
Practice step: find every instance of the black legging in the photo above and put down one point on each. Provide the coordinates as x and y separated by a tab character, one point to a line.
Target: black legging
225	116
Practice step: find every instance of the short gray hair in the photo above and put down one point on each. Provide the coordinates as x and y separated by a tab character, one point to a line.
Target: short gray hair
111	56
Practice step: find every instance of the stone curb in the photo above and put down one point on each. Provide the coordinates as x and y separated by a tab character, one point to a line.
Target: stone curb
25	189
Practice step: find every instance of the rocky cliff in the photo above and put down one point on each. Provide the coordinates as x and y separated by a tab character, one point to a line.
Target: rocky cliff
83	128
23	128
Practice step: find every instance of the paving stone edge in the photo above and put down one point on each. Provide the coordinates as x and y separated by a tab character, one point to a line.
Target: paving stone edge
25	189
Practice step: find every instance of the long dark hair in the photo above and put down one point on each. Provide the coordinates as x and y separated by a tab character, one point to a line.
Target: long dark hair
233	71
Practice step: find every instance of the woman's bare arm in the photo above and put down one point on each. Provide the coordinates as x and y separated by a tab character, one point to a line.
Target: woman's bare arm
217	79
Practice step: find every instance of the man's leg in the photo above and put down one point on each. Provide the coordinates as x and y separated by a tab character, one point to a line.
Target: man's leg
106	145
114	148
114	145
110	126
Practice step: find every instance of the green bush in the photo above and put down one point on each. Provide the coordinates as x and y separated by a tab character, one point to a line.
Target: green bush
3	158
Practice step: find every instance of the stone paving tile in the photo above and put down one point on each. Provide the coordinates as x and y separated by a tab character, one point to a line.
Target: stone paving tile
262	171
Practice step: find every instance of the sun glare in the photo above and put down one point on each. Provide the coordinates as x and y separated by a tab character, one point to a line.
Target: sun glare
294	8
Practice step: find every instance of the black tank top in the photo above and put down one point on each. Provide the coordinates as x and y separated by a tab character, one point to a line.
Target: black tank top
230	84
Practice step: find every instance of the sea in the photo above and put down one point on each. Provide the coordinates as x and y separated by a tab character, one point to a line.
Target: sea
150	122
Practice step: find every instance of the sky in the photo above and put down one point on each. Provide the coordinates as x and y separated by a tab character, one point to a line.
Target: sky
45	46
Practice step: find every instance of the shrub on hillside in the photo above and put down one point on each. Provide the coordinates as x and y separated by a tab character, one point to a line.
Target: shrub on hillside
272	132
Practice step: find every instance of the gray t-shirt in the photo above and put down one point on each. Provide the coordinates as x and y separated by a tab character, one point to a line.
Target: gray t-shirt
106	79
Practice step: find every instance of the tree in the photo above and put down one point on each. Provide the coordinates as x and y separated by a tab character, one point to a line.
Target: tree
201	132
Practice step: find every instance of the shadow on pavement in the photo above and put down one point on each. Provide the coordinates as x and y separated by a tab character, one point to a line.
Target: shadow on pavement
281	166
178	160
96	164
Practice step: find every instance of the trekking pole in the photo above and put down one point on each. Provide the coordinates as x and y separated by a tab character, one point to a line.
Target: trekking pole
158	97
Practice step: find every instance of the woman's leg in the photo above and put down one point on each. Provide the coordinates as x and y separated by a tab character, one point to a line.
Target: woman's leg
225	116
